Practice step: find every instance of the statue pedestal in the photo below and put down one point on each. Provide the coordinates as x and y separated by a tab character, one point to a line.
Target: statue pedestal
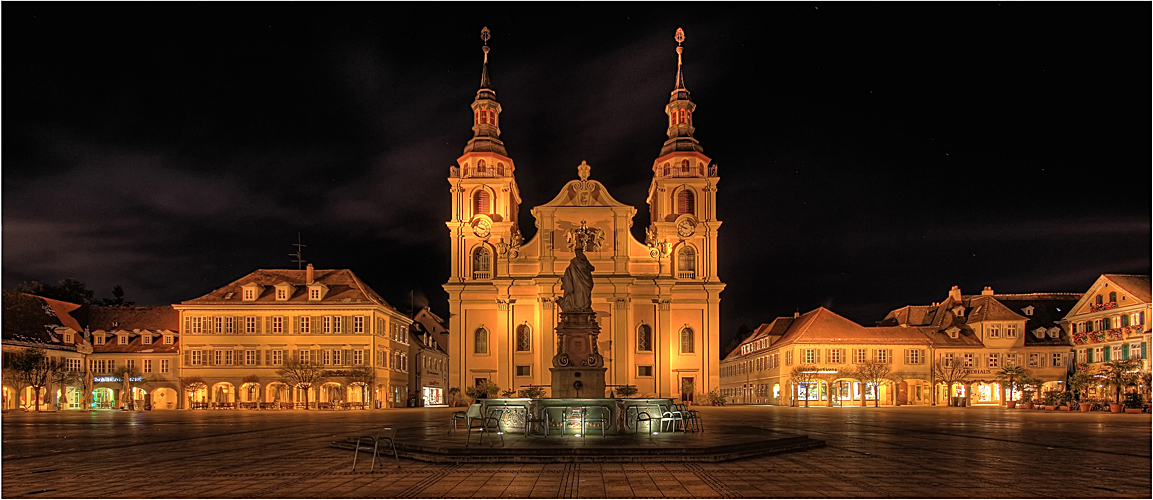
578	368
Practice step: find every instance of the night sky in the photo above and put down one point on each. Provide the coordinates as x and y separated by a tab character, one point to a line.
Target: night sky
871	155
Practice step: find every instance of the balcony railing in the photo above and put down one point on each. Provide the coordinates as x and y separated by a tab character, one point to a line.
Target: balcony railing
481	275
687	275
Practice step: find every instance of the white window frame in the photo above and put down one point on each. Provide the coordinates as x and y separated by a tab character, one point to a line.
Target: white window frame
810	356
229	357
1057	360
1011	331
358	356
229	324
164	366
860	355
147	368
196	358
1135	350
358	324
336	357
993	360
250	357
994	331
970	360
276	357
305	324
250	324
1116	352
337	325
278	324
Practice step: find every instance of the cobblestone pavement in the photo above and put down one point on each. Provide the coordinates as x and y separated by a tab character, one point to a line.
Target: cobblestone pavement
872	452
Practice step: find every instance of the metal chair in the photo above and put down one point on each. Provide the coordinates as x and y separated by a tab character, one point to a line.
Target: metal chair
487	425
692	417
672	416
472	412
540	418
573	415
587	417
380	436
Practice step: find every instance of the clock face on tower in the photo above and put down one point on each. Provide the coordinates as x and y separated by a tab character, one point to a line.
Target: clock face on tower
686	227
482	227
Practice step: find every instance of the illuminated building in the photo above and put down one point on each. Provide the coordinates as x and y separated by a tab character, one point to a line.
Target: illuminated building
142	342
33	322
657	301
237	337
428	376
981	332
1111	321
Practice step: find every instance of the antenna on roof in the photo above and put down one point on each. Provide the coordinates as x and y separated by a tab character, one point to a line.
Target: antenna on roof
299	254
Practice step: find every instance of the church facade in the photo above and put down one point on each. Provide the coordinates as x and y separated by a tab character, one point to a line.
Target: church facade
657	302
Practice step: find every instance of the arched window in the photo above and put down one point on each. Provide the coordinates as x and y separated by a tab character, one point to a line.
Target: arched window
684	166
1099	299
681	116
480	341
481	202
666	168
685	202
477	117
500	169
644	338
480	167
687	263
1112	296
481	263
465	170
687	341
523	338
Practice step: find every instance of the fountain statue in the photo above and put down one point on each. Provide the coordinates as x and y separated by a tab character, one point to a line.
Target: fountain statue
578	367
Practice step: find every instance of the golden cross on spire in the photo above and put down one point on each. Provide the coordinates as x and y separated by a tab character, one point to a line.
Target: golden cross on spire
485	34
680	37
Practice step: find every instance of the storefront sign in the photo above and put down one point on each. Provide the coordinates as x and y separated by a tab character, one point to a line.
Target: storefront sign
107	379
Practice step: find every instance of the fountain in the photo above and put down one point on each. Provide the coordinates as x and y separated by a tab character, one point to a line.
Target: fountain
578	371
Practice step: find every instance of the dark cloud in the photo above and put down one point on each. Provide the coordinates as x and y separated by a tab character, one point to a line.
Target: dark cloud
871	155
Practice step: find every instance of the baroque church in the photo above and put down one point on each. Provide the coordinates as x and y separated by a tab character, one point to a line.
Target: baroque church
657	302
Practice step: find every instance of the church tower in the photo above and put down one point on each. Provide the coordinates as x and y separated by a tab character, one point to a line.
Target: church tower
485	199
683	193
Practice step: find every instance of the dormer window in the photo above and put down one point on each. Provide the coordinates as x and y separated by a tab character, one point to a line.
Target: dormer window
1039	332
169	339
953	332
1028	310
317	291
68	338
98	339
284	291
1055	332
959	311
146	339
122	339
251	292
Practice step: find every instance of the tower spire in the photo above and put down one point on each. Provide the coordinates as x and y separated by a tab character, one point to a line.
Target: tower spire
680	83
486	111
680	110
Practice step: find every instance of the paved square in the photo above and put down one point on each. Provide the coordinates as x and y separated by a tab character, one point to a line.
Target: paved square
872	453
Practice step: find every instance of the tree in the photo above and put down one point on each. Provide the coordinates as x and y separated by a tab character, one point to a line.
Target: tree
188	385
117	299
32	366
537	392
873	372
61	377
485	389
1120	374
67	290
804	375
950	374
1030	385
301	373
363	376
1080	379
1009	375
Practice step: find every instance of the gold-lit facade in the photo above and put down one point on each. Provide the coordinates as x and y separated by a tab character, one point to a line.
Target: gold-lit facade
657	301
236	338
1111	321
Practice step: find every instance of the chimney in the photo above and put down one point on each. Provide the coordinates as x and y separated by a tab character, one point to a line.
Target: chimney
987	291
309	275
796	314
955	293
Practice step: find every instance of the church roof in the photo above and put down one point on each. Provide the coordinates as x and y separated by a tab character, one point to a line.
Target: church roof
344	288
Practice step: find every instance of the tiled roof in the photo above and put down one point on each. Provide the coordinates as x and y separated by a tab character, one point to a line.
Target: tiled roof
136	343
133	318
1048	309
1138	285
822	326
988	308
31	319
343	288
965	338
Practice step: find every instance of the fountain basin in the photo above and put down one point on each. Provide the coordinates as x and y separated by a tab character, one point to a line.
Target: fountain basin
620	414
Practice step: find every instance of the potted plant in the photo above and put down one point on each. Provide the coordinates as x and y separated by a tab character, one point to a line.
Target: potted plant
1009	376
1050	400
1120	374
453	392
1079	381
1134	402
1065	401
1028	386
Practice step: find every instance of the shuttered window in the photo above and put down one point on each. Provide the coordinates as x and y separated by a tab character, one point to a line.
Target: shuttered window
685	202
481	202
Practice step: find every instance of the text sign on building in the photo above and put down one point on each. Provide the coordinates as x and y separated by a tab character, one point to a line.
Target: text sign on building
116	379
